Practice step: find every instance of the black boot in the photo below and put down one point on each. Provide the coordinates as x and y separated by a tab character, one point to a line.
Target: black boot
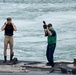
5	59
11	56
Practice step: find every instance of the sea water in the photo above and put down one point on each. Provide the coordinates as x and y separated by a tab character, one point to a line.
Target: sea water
29	40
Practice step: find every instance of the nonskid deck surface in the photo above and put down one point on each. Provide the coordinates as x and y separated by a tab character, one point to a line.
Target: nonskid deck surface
30	74
30	68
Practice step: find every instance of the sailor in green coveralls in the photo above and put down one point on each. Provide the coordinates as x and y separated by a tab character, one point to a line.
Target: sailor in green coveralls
51	38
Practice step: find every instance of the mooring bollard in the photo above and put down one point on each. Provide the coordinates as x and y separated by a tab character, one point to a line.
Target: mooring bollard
74	61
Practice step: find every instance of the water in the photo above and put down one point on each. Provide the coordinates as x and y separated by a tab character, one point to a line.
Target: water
29	41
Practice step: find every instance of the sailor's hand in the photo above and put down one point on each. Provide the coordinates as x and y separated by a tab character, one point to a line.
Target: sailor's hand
5	23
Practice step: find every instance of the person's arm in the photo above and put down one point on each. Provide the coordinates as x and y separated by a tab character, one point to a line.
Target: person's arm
14	27
49	32
3	27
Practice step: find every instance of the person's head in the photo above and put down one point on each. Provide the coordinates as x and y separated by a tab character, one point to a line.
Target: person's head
9	20
49	26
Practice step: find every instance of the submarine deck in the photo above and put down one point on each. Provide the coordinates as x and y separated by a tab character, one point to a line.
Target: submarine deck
35	68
